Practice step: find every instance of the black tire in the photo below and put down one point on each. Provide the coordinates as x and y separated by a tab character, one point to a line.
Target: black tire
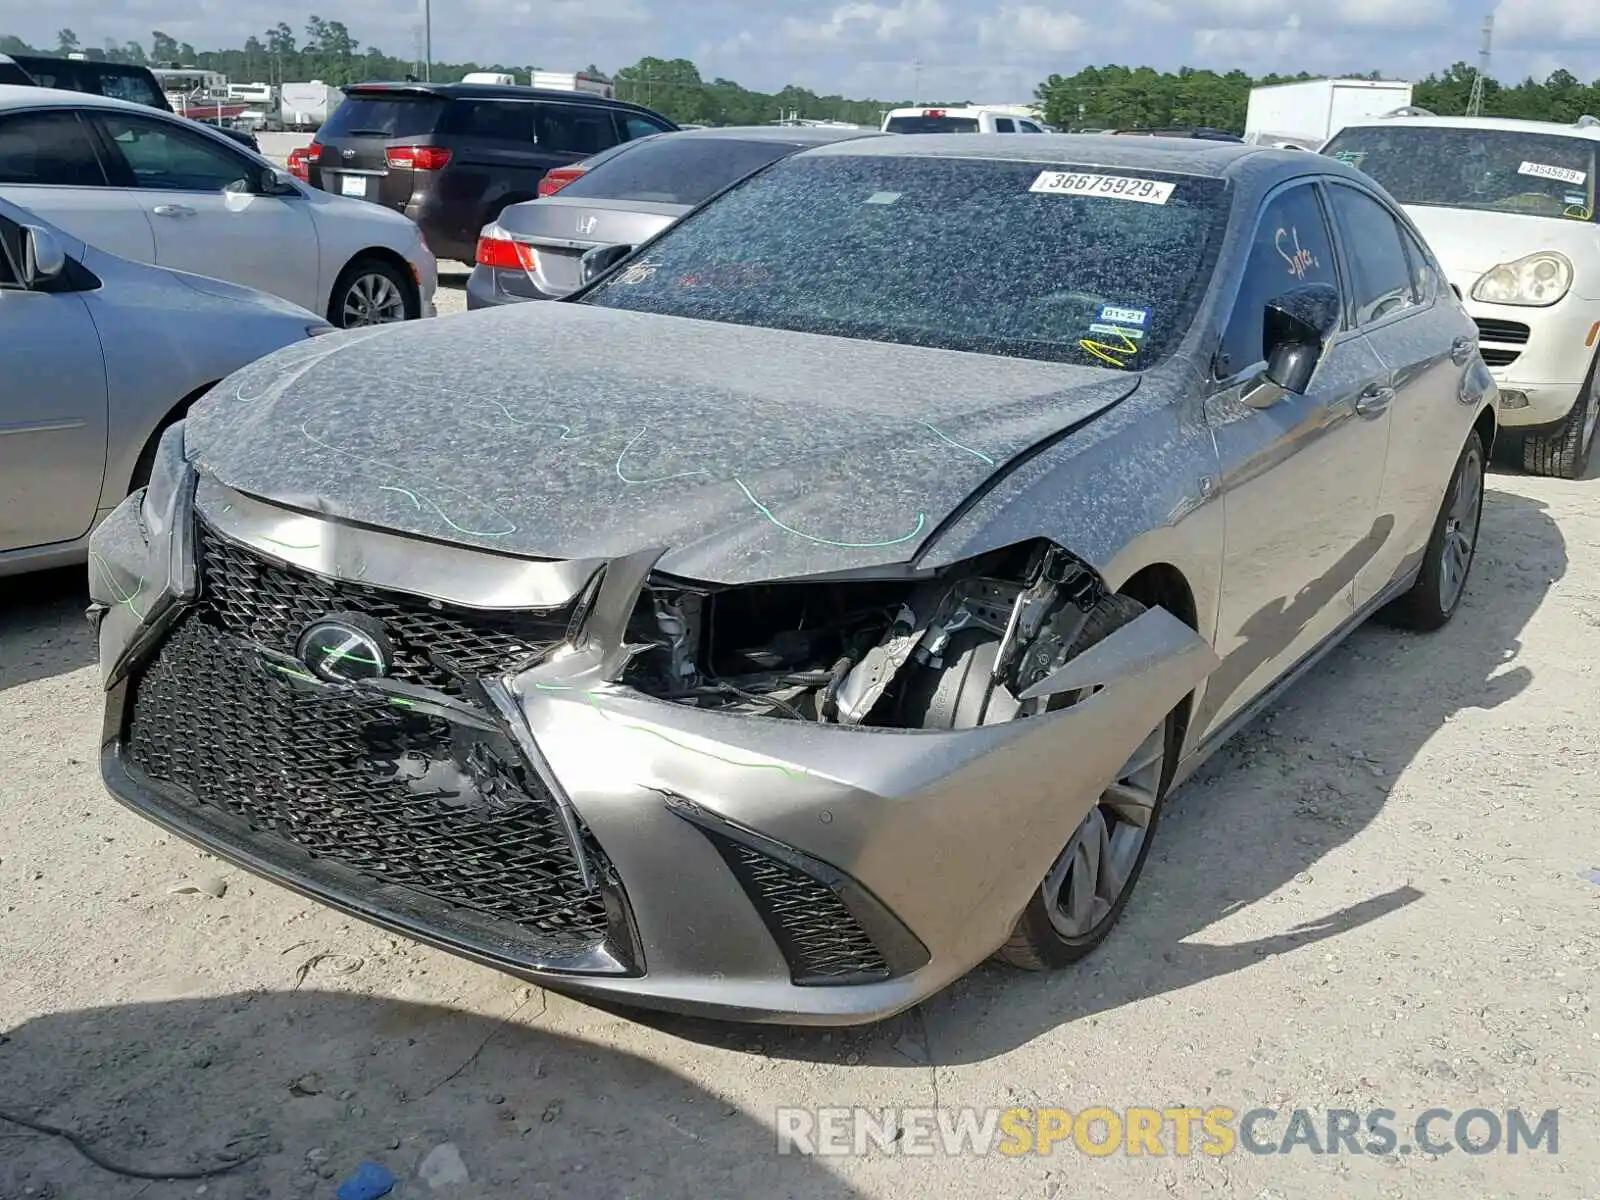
957	696
357	289
1426	607
1564	454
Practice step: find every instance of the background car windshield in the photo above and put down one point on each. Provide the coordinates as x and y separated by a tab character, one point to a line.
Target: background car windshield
946	252
383	116
932	125
1492	170
675	170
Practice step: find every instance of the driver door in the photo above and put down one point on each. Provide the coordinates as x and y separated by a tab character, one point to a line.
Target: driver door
1301	479
208	219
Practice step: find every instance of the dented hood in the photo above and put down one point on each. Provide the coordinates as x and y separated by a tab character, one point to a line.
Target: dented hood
573	431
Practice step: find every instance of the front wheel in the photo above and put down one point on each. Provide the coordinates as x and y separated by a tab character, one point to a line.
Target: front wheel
1087	887
371	292
1564	454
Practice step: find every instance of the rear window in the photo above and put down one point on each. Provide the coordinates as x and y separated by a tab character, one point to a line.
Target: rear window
926	251
383	115
131	86
675	170
932	125
13	74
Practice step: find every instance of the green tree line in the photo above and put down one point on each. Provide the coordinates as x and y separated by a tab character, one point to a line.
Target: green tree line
1095	97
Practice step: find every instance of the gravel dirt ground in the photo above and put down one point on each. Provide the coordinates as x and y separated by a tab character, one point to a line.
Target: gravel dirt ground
1384	894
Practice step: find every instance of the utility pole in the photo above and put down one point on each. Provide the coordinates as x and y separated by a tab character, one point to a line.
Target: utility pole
427	41
1475	101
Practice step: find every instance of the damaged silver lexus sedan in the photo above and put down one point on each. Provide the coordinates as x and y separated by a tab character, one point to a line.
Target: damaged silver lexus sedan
822	601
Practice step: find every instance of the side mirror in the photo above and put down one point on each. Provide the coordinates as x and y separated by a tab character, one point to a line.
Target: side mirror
43	258
274	182
601	259
1296	328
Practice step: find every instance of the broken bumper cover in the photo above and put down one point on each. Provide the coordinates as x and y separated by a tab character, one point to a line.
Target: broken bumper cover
578	833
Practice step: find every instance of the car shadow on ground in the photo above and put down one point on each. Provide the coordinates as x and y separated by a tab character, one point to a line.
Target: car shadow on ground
1300	782
43	631
312	1084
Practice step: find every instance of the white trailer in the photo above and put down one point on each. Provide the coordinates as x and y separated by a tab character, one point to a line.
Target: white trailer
307	105
1316	109
574	81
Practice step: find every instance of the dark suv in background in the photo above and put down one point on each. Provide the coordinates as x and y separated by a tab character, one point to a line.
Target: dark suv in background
451	156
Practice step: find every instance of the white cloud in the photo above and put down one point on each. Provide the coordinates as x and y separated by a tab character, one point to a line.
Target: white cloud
1546	20
1028	27
869	22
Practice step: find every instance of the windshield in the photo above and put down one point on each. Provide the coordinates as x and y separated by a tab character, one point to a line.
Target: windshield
931	125
385	116
675	170
1011	258
1491	170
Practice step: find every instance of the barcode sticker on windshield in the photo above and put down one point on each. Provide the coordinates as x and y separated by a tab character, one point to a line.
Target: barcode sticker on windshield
1546	171
1118	187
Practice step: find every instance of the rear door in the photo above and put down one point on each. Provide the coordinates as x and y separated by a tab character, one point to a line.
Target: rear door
202	204
1426	341
50	163
52	409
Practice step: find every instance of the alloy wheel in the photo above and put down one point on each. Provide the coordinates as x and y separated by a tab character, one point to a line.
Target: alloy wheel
372	299
1460	530
1093	871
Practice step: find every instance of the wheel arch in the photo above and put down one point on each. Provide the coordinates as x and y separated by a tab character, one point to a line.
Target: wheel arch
388	257
1487	427
141	465
1163	585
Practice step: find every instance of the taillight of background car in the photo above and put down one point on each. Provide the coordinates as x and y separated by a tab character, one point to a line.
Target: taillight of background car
498	251
417	158
557	178
300	162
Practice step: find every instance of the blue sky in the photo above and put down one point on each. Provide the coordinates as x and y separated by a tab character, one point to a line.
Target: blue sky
992	50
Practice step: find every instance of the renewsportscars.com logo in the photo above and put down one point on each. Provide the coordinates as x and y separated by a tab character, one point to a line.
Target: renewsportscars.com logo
1169	1130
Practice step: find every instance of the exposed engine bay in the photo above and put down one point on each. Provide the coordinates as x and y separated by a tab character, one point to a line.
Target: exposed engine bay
862	653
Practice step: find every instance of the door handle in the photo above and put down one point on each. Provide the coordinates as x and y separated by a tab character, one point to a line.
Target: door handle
1374	400
1461	350
173	210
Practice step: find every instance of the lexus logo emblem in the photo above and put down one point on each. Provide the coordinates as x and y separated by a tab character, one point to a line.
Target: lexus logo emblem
586	224
345	648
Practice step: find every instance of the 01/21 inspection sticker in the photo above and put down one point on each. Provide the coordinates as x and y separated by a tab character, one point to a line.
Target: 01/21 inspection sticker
1546	171
1117	187
1119	314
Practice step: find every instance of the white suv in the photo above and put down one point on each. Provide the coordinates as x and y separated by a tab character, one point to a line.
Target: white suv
1509	209
969	118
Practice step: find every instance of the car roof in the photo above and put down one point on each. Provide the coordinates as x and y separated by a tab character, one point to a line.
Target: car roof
1497	124
492	91
1190	156
15	95
791	135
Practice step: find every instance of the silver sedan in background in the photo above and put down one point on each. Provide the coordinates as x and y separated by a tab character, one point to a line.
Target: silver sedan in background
98	355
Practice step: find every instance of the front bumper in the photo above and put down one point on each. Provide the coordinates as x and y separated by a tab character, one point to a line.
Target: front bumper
562	828
1540	354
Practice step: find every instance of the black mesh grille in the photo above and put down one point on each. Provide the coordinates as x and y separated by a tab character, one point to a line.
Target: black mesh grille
395	795
1514	332
434	644
1495	357
814	928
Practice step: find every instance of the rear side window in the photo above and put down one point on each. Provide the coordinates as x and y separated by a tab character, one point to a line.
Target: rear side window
675	170
134	88
383	116
1380	275
491	120
1424	277
1004	125
635	126
12	74
10	255
52	149
569	129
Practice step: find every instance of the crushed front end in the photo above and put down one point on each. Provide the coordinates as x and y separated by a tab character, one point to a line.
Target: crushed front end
714	800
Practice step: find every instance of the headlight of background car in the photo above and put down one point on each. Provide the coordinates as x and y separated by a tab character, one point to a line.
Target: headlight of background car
1538	280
